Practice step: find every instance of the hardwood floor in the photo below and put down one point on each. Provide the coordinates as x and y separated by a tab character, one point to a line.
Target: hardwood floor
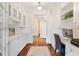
37	41
52	51
25	50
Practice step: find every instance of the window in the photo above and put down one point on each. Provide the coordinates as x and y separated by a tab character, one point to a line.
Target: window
9	10
15	12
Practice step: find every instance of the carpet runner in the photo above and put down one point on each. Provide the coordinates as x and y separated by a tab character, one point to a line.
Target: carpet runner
39	51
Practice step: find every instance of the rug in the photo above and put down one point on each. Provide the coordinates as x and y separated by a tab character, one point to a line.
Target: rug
39	51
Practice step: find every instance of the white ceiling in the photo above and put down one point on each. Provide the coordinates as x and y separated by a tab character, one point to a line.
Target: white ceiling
32	6
41	3
35	4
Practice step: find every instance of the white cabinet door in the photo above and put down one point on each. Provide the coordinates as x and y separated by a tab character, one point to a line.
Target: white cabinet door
74	53
67	51
71	51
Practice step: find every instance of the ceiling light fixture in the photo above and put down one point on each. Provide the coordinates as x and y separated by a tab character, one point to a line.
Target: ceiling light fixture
39	6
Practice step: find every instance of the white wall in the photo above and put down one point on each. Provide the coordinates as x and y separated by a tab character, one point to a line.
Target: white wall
76	21
53	25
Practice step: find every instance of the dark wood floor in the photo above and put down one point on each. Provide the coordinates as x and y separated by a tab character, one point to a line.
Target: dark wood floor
38	42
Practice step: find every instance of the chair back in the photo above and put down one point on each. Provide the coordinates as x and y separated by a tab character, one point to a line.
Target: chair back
57	42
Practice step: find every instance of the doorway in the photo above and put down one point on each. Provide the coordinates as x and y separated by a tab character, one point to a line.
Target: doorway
39	26
42	28
39	30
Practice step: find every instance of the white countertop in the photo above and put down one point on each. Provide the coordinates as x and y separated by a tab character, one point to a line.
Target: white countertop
66	41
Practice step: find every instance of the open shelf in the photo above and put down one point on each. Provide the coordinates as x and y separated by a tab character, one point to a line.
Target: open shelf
14	19
67	16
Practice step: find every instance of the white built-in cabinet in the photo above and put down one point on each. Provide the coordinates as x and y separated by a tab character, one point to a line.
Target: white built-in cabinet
11	43
70	49
70	23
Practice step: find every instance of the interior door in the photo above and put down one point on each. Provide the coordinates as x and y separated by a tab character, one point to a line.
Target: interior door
42	28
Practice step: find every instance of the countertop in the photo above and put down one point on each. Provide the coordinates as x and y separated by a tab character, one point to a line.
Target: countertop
66	41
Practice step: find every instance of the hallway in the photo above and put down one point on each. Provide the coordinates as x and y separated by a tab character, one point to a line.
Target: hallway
22	21
29	28
39	47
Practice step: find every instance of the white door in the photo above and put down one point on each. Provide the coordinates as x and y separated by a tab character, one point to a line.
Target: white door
36	26
42	29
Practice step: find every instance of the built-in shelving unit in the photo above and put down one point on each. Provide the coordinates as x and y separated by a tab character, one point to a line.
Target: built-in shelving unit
67	20
67	16
12	12
15	19
13	24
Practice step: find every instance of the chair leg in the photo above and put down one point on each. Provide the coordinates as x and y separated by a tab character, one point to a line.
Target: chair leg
55	51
